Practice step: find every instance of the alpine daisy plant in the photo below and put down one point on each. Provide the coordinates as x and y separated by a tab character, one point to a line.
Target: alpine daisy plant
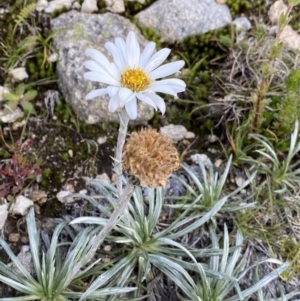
133	75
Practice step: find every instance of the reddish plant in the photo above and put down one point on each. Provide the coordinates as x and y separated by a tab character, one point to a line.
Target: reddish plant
21	168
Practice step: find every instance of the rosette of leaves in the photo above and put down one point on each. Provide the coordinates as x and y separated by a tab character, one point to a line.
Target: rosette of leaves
52	278
147	247
20	97
155	257
211	189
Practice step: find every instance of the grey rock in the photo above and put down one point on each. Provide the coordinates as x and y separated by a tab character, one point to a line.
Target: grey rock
176	19
189	135
13	237
277	8
290	38
3	90
12	116
175	132
200	157
64	197
25	259
79	31
58	4
3	215
242	23
115	6
21	205
89	6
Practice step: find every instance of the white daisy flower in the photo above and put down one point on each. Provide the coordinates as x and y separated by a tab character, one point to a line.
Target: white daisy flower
133	75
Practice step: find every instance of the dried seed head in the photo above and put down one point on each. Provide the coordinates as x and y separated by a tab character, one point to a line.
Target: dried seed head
150	157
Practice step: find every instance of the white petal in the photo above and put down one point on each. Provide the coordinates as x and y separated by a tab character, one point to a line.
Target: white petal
159	102
114	71
172	82
122	47
96	93
170	86
146	100
103	62
117	56
111	90
147	53
101	77
133	50
166	69
157	59
165	89
114	103
94	66
125	96
131	108
96	55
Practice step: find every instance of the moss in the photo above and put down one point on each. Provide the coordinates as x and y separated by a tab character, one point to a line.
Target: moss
239	7
102	6
58	12
46	173
132	8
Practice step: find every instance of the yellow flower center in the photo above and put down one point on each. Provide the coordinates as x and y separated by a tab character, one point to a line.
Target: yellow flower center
135	79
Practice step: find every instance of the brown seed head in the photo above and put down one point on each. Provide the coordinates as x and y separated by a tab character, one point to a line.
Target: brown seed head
150	157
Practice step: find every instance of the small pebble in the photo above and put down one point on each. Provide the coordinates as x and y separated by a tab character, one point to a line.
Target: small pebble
10	198
76	5
103	177
202	157
18	124
3	90
3	215
70	152
239	181
19	73
24	239
70	187
175	132
114	178
36	195
102	140
37	209
11	117
212	150
21	205
52	58
83	191
276	9
105	260
189	135
115	6
41	5
57	5
107	248
212	138
62	196
218	163
13	237
89	6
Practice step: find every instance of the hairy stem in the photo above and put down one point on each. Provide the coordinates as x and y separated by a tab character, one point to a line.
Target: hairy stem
124	196
124	119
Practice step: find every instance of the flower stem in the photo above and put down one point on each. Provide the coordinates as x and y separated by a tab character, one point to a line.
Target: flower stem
124	119
119	209
124	196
